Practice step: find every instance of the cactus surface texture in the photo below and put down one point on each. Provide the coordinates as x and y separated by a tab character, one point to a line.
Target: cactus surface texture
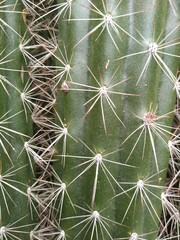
89	120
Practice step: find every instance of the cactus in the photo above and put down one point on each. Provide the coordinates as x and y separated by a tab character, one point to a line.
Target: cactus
89	127
15	128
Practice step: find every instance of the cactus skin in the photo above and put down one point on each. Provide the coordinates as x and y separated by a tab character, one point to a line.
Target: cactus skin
96	53
16	162
99	203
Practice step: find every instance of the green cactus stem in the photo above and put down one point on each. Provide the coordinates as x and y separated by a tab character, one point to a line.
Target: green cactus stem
117	73
15	174
89	91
